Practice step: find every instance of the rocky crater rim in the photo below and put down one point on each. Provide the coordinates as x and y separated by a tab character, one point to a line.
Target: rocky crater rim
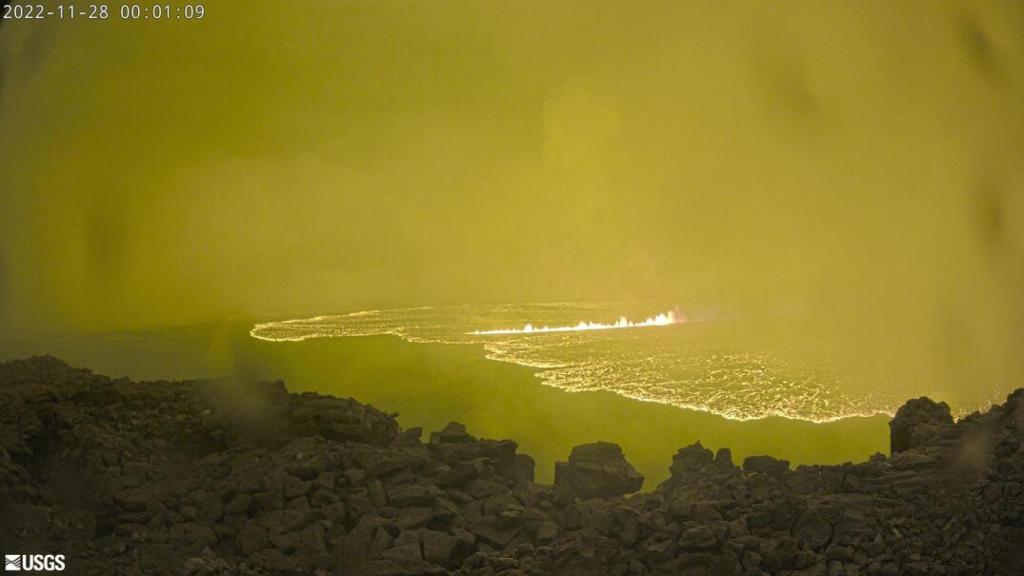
209	478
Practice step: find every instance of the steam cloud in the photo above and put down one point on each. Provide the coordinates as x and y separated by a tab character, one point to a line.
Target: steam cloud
848	170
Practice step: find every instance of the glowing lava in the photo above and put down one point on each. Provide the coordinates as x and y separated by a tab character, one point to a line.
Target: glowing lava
665	319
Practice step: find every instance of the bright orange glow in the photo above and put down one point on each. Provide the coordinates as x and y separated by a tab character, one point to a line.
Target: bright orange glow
664	319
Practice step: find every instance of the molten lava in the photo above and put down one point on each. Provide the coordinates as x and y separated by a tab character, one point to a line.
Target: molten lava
664	319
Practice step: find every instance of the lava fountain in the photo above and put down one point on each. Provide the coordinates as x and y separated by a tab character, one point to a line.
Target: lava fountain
665	319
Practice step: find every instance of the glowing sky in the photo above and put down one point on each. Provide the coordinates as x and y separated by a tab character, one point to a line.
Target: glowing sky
853	167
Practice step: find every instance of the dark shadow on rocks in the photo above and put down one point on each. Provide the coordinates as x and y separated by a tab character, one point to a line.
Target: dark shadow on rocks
211	478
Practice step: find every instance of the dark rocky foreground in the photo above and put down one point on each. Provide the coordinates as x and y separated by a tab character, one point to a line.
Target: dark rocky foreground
222	478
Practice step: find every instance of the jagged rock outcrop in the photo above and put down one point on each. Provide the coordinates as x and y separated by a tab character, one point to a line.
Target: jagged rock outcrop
766	465
919	422
204	478
597	470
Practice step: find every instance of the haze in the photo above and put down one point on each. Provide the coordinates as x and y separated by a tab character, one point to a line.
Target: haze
852	172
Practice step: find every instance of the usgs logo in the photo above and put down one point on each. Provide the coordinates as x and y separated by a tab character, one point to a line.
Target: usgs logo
34	562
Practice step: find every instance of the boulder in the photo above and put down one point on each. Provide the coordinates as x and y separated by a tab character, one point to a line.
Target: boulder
690	460
723	459
919	422
701	537
413	495
453	433
521	469
252	538
445	549
597	470
282	521
766	465
410	437
340	420
812	529
547	531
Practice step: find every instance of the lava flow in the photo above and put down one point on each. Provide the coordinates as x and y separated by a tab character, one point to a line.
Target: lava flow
664	319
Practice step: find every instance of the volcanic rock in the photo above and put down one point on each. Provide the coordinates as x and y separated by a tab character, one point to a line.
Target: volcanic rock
766	465
597	470
919	422
693	459
204	479
453	433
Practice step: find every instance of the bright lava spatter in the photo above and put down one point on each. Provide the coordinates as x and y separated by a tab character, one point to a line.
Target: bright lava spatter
665	319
